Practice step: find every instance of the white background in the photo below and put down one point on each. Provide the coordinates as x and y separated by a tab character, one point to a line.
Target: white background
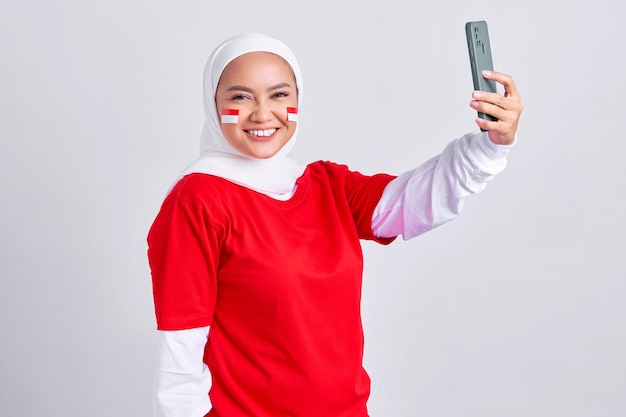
514	309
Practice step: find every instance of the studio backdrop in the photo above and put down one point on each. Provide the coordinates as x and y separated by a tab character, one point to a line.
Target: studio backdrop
516	308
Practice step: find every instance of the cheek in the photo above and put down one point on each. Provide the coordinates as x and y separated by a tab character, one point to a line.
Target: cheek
293	102
282	110
230	131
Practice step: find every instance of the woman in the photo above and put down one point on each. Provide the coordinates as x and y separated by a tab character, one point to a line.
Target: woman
266	253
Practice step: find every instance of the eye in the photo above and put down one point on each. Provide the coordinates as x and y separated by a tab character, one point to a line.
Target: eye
281	94
239	97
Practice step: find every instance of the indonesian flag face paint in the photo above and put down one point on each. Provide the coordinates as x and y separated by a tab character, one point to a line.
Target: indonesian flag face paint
230	116
292	114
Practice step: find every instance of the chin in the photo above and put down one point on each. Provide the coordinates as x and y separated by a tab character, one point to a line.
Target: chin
266	153
261	155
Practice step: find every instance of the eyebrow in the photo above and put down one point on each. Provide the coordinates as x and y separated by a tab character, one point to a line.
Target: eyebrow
251	91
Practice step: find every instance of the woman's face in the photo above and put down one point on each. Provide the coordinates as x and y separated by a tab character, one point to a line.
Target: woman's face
260	85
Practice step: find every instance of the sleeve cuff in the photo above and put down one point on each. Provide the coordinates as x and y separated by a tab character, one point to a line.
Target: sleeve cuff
485	150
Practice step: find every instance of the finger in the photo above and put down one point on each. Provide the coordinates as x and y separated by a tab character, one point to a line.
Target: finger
510	89
486	124
508	115
497	134
490	109
495	99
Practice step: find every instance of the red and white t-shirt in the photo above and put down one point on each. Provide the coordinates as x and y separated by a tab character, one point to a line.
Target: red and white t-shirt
279	282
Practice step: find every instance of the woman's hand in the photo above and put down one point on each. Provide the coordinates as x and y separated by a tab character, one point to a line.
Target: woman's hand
506	108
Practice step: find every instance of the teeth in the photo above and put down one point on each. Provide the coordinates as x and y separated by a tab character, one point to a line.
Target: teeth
266	132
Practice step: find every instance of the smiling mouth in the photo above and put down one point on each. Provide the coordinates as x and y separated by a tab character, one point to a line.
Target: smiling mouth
262	133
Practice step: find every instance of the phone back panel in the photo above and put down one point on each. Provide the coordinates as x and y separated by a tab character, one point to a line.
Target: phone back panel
479	48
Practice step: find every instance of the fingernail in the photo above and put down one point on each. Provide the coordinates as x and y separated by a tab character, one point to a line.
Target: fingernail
487	73
477	94
474	103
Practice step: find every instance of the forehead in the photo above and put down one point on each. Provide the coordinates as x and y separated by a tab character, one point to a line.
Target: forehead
256	64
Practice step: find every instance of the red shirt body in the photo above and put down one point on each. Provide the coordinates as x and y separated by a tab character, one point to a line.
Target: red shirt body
279	282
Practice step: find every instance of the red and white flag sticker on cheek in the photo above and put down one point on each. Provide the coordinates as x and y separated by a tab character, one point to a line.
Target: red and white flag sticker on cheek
230	116
292	114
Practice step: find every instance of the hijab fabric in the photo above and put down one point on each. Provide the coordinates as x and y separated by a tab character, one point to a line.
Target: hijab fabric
275	176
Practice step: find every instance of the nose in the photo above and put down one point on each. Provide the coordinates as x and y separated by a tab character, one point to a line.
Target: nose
262	113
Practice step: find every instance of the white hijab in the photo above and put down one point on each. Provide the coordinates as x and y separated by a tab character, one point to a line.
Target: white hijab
275	176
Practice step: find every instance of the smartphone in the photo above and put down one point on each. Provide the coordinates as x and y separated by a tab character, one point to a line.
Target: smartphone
479	48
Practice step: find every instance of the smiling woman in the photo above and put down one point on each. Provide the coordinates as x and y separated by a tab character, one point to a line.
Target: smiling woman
256	260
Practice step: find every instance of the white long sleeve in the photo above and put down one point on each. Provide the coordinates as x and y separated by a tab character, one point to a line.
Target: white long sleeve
434	193
182	379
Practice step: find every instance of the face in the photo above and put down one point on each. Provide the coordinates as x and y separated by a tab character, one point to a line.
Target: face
261	86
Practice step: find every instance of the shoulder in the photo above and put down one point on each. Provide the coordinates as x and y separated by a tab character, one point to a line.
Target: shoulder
197	200
198	188
328	168
199	196
339	171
